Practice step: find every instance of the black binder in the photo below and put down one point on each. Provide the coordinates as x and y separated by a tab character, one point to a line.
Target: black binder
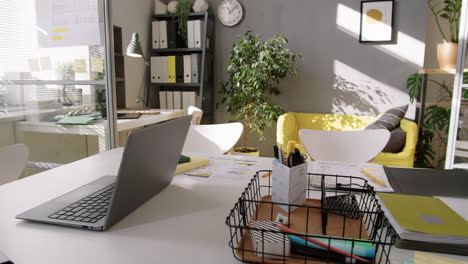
179	69
174	40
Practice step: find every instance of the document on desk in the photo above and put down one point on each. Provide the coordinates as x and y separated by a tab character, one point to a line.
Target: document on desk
226	167
373	173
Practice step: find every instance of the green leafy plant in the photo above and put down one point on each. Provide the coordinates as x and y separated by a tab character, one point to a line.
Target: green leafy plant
450	11
182	13
254	71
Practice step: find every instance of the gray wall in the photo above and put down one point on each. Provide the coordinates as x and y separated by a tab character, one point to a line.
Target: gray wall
337	74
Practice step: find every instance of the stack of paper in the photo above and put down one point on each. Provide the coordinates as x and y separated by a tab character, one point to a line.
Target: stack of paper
426	219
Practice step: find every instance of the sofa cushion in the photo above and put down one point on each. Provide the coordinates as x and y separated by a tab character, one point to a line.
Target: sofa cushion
390	119
396	142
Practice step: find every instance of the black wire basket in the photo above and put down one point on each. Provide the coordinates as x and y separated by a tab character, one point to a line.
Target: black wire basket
347	216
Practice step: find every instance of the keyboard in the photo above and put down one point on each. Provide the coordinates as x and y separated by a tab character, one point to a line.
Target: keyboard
89	209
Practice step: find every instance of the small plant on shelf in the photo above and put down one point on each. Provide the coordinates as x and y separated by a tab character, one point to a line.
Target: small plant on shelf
254	70
182	13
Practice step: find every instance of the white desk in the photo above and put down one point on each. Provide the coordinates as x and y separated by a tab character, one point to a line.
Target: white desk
97	128
182	224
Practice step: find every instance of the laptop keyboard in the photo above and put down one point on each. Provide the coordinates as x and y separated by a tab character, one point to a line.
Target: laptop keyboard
89	209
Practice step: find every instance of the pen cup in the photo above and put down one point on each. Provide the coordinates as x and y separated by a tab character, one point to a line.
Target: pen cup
289	185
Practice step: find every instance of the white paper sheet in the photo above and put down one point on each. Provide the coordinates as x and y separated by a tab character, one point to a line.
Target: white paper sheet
227	167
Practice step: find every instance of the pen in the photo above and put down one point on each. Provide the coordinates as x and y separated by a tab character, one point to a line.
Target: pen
373	177
319	243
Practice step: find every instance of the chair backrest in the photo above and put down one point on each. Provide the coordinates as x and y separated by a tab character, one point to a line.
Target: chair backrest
196	113
345	146
212	139
12	161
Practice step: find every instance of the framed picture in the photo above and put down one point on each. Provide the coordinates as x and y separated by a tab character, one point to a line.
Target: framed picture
376	21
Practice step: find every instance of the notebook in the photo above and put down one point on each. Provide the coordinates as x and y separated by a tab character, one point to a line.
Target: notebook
425	219
194	163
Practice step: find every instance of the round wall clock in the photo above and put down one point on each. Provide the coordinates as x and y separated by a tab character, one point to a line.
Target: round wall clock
230	12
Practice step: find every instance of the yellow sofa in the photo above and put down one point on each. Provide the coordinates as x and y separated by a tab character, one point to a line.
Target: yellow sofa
289	124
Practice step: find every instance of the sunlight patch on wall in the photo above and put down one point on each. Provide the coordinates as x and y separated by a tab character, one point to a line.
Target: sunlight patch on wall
359	94
406	49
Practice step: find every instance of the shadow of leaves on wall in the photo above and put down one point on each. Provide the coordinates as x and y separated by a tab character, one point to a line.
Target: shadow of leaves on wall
358	99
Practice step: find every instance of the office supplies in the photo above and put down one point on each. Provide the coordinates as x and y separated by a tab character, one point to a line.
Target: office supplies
128	115
372	177
275	152
162	100
179	69
105	201
155	76
345	205
177	99
362	249
280	218
189	99
269	245
196	67
164	69
197	33
163	34
289	185
171	69
314	253
266	174
170	99
281	155
291	146
75	120
190	34
195	163
321	244
187	69
184	159
425	219
155	34
171	34
450	183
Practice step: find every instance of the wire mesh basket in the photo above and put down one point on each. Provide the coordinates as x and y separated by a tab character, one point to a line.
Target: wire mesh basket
341	212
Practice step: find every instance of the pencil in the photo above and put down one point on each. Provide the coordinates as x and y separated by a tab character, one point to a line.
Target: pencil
267	174
373	177
319	243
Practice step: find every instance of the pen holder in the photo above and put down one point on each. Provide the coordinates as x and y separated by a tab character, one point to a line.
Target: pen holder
289	185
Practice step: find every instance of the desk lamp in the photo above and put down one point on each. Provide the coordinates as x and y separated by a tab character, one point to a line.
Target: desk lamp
134	50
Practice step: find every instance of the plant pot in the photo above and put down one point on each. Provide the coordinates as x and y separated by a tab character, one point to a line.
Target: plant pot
240	151
447	55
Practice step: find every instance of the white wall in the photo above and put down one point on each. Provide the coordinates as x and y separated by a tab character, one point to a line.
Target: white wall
133	16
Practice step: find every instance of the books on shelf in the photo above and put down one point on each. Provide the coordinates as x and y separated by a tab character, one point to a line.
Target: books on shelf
177	99
424	219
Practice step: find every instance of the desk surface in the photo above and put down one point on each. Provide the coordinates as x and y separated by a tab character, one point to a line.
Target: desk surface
182	224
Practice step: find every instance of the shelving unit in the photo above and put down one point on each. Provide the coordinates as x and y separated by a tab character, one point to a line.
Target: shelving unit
119	68
204	88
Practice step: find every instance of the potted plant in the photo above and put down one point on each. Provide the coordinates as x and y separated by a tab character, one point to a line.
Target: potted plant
182	12
450	11
253	73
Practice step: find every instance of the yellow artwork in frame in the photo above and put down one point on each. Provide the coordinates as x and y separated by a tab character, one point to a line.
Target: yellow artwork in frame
376	22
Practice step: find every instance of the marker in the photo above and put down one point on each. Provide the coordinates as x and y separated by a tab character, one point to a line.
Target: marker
373	177
319	243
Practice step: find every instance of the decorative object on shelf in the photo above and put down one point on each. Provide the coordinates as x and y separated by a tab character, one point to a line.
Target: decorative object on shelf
134	50
160	8
449	10
230	12
182	13
172	7
376	21
200	6
254	71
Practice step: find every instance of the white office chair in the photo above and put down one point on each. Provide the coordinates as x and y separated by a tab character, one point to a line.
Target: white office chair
212	139
196	113
12	161
344	146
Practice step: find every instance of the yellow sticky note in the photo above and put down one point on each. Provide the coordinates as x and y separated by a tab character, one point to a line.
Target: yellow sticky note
427	258
97	64
57	38
58	30
80	65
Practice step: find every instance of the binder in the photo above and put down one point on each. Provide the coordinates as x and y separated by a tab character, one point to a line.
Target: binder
170	99
195	67
187	69
155	34
177	100
162	100
171	69
192	98
155	69
163	34
179	69
171	34
190	34
185	100
198	33
163	69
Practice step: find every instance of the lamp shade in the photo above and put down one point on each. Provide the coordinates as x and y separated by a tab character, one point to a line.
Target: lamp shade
134	47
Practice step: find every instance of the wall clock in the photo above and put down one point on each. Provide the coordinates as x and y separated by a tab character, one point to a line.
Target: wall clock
230	12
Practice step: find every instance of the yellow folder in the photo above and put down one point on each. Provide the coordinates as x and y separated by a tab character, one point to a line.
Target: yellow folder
171	69
195	163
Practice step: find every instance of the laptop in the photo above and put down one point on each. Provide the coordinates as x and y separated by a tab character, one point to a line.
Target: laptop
148	164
